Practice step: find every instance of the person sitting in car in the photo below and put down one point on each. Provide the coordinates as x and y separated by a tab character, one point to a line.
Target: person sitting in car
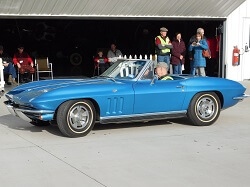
161	71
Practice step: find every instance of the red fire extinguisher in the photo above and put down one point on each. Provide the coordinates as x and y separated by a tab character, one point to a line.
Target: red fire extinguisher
236	56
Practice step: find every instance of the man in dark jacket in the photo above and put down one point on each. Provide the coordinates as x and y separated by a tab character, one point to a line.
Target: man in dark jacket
8	67
178	54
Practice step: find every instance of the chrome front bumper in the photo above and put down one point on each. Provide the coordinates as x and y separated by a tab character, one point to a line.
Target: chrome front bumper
28	115
241	97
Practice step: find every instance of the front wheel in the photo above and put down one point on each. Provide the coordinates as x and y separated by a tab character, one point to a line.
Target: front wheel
76	118
204	109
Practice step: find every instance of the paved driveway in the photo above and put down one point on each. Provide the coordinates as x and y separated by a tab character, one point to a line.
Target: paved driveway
155	154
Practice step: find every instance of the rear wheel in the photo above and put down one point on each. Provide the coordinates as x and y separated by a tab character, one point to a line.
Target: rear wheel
76	118
204	109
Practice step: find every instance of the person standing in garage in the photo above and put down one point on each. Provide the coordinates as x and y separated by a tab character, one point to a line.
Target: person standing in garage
191	53
101	62
113	53
212	62
198	59
163	46
178	54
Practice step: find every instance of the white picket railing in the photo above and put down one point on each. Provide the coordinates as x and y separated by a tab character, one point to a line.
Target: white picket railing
151	57
1	75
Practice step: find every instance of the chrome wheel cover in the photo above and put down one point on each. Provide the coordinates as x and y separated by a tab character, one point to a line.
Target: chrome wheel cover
206	108
78	117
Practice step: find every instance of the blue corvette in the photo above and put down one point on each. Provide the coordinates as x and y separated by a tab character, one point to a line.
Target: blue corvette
128	91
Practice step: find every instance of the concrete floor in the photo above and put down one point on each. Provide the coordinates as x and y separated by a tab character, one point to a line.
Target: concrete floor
155	154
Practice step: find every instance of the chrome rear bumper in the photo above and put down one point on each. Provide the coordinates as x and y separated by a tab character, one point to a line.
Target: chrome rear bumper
241	97
28	115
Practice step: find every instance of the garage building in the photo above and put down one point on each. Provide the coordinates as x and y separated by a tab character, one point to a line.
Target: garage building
60	28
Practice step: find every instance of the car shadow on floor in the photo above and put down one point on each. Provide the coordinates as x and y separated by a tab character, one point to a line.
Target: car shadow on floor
16	123
181	121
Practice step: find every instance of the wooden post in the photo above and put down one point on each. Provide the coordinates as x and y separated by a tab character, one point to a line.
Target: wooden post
1	75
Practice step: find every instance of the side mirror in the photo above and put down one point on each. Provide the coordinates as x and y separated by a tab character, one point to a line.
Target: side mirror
155	77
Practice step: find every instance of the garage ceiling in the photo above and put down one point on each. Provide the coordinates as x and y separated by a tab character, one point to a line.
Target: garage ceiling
111	9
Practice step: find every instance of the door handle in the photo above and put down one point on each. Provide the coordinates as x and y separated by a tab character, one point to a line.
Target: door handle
180	87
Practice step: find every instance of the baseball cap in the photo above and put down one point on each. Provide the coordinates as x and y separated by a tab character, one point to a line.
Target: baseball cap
163	29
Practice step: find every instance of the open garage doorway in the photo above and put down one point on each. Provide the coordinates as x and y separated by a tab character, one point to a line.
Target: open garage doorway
71	44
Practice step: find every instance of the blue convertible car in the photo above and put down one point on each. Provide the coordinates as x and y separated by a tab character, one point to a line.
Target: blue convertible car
128	91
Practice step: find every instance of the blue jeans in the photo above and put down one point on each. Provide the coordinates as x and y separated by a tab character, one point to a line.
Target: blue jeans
10	69
165	59
192	68
177	69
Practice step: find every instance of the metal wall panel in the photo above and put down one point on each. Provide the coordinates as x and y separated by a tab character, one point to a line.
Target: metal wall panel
237	34
120	8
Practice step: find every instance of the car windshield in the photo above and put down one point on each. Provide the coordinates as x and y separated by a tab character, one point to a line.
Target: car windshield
125	69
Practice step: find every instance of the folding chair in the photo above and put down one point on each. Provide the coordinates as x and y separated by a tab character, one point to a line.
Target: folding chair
43	66
18	76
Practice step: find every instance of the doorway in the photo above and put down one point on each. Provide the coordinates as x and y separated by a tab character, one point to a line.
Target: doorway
59	39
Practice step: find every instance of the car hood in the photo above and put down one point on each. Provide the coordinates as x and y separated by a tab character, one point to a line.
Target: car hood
36	88
58	83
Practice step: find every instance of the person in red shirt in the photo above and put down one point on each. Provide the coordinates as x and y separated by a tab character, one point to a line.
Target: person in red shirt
212	65
101	62
24	62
